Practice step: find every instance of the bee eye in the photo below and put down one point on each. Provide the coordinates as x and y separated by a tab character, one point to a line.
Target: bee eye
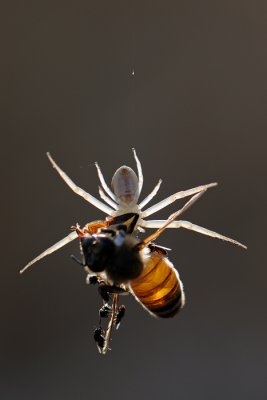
97	251
87	242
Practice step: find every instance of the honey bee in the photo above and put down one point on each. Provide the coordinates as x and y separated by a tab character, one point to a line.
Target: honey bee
124	200
123	264
121	261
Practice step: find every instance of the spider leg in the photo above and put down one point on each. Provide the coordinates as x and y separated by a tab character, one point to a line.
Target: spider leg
179	195
88	197
104	184
151	195
107	199
139	170
50	250
190	226
171	218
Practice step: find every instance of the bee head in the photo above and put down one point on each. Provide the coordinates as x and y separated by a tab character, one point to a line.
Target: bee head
97	251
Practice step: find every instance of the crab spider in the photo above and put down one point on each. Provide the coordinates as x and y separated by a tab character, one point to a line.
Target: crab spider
124	198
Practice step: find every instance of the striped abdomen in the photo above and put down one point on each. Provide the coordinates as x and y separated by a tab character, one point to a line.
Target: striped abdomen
159	288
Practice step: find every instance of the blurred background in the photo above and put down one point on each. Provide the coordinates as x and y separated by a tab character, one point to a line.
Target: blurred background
195	110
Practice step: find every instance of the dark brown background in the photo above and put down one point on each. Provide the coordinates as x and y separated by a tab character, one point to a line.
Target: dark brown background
196	112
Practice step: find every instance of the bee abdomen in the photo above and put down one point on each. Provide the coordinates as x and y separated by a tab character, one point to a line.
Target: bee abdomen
159	288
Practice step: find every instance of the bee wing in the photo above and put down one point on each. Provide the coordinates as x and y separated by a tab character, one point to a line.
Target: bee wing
50	250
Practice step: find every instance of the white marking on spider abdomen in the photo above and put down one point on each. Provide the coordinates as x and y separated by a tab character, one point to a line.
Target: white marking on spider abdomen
125	185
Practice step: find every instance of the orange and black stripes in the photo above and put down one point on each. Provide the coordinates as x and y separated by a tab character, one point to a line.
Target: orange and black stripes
159	288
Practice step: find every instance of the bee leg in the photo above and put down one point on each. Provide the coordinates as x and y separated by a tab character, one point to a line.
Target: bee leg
119	316
91	279
99	337
74	258
104	290
104	312
111	323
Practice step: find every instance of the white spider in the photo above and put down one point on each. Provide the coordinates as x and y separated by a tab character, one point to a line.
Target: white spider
126	191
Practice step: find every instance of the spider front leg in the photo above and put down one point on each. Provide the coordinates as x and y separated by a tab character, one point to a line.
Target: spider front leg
52	249
76	189
105	290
